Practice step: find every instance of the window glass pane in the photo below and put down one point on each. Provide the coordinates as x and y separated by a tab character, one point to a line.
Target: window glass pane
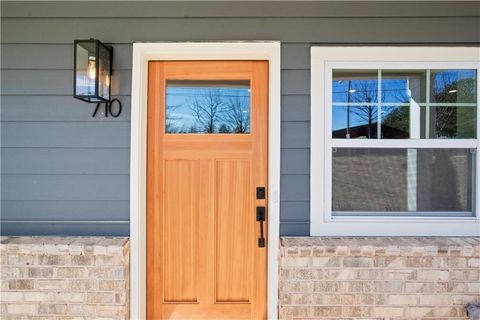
355	122
402	86
207	106
455	122
395	122
373	181
453	86
357	86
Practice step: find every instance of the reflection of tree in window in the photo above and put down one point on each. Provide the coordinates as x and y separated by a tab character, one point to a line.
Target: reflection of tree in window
365	92
237	116
452	121
193	108
214	113
208	110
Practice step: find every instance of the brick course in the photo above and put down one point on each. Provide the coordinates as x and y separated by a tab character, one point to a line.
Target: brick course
64	278
378	277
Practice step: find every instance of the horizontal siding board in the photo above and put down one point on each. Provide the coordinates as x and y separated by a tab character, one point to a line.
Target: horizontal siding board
65	229
294	229
55	56
295	134
295	56
65	187
295	82
66	210
65	161
236	8
55	82
316	30
58	108
296	108
66	134
295	187
295	161
295	211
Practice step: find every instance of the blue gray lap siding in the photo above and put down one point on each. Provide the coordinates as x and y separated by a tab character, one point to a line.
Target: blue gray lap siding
66	173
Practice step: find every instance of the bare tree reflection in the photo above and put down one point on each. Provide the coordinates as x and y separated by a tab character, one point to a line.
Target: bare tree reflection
208	110
237	115
365	92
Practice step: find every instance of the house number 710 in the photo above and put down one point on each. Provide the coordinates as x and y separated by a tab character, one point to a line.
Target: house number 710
110	108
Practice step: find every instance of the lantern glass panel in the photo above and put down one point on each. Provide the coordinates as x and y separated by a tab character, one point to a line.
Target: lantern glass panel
85	69
104	72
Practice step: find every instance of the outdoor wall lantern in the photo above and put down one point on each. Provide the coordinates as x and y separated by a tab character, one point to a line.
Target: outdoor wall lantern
92	73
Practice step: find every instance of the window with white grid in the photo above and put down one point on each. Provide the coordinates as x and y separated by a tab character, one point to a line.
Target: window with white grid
394	141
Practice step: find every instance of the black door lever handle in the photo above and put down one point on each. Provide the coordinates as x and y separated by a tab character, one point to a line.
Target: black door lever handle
261	219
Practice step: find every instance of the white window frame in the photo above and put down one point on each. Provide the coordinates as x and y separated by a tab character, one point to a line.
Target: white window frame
323	61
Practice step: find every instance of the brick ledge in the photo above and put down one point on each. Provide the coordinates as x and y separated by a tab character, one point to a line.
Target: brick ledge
64	245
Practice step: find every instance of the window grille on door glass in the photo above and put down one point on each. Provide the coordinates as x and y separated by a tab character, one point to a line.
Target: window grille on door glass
402	141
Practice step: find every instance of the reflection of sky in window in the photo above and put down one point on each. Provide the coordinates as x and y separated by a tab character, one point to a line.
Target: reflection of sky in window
355	90
180	105
396	90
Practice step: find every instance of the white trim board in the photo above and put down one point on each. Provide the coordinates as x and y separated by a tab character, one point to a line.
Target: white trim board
323	60
144	52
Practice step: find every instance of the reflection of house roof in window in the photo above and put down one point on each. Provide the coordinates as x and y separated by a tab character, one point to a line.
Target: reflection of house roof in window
359	132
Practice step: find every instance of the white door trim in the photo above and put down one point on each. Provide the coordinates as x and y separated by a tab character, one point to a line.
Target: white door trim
144	52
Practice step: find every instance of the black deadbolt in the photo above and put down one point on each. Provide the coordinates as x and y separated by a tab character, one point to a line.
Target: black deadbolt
260	192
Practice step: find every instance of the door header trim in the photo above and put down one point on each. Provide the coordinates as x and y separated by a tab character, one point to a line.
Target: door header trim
166	51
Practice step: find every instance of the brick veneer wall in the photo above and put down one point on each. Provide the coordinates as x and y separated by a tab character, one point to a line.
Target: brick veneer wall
64	278
378	278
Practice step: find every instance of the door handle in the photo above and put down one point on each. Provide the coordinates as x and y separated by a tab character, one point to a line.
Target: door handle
261	219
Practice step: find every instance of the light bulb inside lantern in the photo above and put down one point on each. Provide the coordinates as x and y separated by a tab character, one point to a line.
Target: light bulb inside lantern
91	68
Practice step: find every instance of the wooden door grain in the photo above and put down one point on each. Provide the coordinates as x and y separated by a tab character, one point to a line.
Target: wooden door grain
203	258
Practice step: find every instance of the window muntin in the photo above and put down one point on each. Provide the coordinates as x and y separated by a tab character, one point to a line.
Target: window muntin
395	104
207	106
402	104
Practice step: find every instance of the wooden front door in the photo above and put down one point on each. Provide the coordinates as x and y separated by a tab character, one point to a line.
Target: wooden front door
207	155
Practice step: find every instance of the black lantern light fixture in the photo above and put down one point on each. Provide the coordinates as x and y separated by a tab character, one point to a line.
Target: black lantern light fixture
92	71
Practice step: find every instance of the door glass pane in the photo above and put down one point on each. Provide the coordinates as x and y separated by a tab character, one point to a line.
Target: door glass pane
402	182
207	106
